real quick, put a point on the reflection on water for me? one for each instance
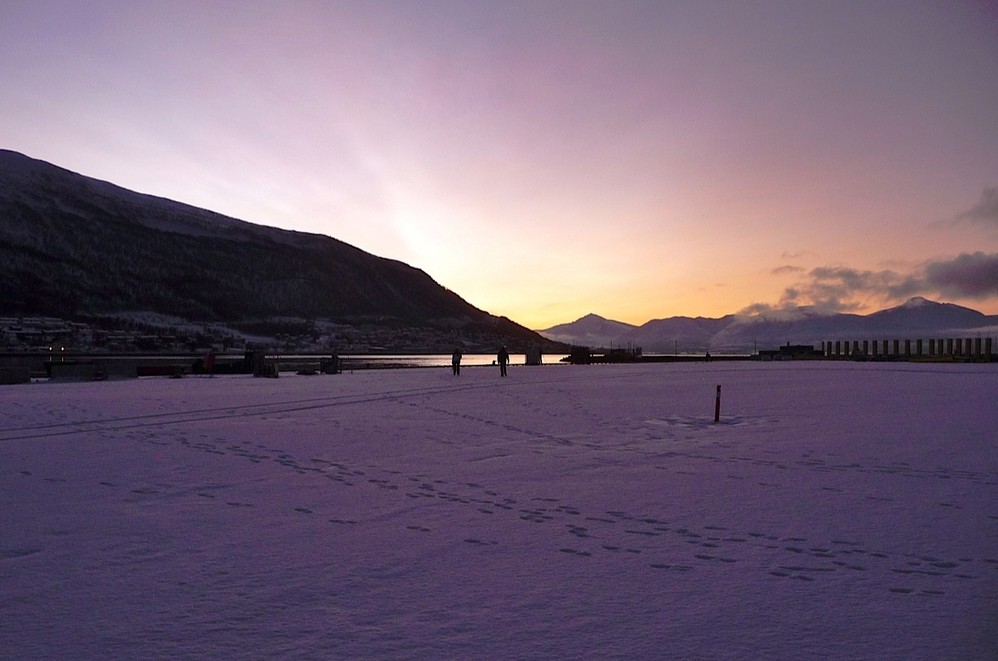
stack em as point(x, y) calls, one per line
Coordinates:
point(348, 362)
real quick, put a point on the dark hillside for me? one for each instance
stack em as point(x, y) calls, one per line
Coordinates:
point(72, 246)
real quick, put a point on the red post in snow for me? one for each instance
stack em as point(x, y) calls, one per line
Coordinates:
point(717, 405)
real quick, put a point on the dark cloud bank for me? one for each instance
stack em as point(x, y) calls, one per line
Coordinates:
point(971, 276)
point(985, 211)
point(968, 276)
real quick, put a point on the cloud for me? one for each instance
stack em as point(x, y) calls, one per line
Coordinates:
point(830, 289)
point(840, 289)
point(970, 275)
point(985, 212)
point(780, 270)
point(757, 308)
point(797, 255)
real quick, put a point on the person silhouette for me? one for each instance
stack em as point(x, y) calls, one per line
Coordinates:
point(503, 358)
point(455, 361)
point(209, 362)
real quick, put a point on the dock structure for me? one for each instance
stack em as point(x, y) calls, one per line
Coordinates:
point(975, 349)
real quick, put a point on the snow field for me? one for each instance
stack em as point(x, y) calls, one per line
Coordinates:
point(835, 511)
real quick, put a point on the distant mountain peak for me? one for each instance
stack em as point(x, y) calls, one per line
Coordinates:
point(592, 316)
point(917, 302)
point(591, 329)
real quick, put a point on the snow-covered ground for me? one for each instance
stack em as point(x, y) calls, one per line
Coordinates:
point(835, 511)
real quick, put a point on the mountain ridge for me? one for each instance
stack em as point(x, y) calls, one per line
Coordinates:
point(917, 316)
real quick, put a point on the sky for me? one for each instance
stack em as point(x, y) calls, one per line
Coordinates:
point(545, 160)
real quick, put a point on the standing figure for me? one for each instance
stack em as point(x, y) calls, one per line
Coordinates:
point(503, 358)
point(455, 361)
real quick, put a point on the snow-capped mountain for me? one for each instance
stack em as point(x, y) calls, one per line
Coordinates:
point(591, 330)
point(916, 318)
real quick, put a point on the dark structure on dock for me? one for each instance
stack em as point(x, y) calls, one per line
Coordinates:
point(791, 352)
point(587, 356)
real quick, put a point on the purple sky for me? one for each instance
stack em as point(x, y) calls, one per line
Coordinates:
point(549, 159)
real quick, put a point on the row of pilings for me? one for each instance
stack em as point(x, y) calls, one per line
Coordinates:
point(969, 349)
